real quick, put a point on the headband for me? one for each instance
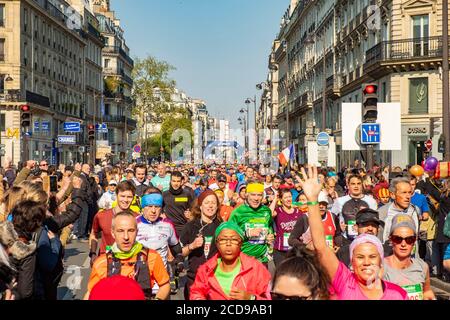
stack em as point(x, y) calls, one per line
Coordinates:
point(153, 199)
point(367, 238)
point(255, 188)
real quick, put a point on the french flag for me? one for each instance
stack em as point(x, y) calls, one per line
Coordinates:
point(286, 155)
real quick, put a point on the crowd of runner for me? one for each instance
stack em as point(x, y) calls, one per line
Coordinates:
point(235, 232)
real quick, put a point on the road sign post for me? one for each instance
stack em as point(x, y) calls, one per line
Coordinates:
point(429, 145)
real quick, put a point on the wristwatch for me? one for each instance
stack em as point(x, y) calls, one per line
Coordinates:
point(252, 297)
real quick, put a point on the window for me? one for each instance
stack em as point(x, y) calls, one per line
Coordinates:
point(2, 15)
point(2, 83)
point(420, 33)
point(2, 49)
point(107, 61)
point(418, 96)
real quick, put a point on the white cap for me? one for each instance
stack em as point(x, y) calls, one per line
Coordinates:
point(112, 182)
point(323, 197)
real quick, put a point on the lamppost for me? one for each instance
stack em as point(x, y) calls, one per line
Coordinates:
point(247, 102)
point(243, 121)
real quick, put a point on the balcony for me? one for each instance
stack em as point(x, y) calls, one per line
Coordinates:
point(11, 96)
point(120, 51)
point(425, 51)
point(54, 11)
point(119, 120)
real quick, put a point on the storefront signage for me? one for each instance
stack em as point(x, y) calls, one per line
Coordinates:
point(418, 130)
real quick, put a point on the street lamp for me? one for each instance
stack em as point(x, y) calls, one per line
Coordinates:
point(244, 120)
point(247, 102)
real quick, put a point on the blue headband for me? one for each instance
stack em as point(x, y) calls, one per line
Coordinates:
point(153, 199)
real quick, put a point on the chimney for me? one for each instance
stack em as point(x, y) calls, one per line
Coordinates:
point(292, 7)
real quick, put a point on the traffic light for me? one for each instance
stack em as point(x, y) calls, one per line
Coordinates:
point(91, 131)
point(370, 101)
point(25, 117)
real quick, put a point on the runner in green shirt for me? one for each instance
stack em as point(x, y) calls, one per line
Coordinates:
point(256, 222)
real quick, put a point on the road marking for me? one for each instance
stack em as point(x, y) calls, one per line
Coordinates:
point(71, 293)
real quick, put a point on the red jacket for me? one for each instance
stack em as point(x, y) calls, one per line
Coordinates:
point(253, 278)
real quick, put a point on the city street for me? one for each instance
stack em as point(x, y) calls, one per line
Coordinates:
point(231, 136)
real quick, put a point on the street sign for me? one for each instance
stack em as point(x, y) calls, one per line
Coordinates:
point(429, 144)
point(137, 149)
point(67, 139)
point(72, 127)
point(101, 128)
point(36, 126)
point(370, 133)
point(45, 126)
point(323, 139)
point(322, 153)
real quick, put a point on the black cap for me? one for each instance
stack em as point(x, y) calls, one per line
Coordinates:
point(368, 215)
point(221, 177)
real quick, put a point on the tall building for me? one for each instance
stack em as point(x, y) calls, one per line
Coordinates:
point(42, 64)
point(117, 68)
point(327, 49)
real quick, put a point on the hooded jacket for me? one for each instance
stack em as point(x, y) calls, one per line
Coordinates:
point(253, 278)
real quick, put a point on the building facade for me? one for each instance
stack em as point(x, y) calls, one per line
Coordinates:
point(330, 48)
point(116, 105)
point(43, 61)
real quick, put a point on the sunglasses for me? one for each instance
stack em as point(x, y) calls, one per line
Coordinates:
point(279, 296)
point(43, 165)
point(398, 240)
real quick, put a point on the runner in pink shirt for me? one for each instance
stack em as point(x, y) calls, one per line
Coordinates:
point(366, 255)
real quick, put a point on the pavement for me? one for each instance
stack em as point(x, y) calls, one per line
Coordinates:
point(73, 285)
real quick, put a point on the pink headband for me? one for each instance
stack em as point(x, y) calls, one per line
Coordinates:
point(367, 238)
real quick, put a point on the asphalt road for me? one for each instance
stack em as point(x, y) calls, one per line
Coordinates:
point(73, 285)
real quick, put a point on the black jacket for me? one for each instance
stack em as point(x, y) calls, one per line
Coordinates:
point(427, 188)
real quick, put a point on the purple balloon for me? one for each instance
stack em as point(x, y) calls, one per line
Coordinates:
point(431, 163)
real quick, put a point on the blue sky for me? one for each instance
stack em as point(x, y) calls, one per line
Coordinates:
point(219, 47)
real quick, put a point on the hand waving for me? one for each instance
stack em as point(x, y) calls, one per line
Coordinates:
point(311, 185)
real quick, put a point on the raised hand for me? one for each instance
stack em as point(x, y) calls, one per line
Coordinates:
point(311, 185)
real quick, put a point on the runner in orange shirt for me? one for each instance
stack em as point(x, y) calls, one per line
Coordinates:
point(130, 259)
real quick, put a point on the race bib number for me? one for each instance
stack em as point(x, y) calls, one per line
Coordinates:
point(286, 245)
point(181, 199)
point(207, 247)
point(256, 233)
point(329, 241)
point(415, 291)
point(351, 228)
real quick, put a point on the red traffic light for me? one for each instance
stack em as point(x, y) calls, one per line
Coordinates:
point(370, 89)
point(90, 127)
point(25, 108)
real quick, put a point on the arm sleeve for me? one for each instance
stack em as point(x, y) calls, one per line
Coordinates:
point(22, 176)
point(56, 223)
point(200, 286)
point(297, 232)
point(157, 269)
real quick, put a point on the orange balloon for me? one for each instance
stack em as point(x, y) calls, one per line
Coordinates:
point(416, 170)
